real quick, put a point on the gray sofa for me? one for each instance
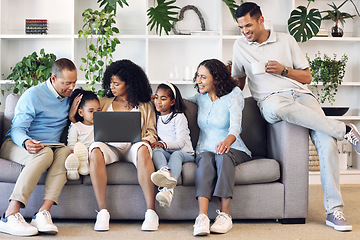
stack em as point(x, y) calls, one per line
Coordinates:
point(272, 186)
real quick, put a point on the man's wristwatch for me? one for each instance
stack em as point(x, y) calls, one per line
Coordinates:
point(284, 72)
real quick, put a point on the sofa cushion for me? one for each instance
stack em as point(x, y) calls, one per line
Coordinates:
point(262, 170)
point(118, 173)
point(255, 171)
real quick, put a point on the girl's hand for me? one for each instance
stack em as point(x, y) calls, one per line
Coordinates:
point(74, 108)
point(157, 145)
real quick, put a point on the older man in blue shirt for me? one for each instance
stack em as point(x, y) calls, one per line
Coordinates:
point(41, 114)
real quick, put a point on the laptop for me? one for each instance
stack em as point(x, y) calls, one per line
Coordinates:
point(117, 126)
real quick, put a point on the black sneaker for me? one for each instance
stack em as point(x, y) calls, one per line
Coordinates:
point(353, 136)
point(338, 221)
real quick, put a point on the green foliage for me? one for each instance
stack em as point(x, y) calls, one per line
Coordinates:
point(303, 25)
point(110, 5)
point(31, 70)
point(231, 4)
point(99, 47)
point(328, 73)
point(161, 16)
point(336, 15)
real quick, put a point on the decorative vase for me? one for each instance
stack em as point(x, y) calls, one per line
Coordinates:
point(336, 31)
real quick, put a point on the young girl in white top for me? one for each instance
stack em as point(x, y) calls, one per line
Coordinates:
point(81, 134)
point(174, 147)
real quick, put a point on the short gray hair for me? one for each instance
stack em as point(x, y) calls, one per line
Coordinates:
point(60, 65)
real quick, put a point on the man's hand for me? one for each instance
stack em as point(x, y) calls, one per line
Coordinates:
point(301, 75)
point(274, 67)
point(33, 146)
point(74, 107)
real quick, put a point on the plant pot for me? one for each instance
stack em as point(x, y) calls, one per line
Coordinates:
point(335, 111)
point(336, 31)
point(95, 29)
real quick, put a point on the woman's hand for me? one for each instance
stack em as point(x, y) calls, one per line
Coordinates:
point(74, 108)
point(157, 145)
point(224, 147)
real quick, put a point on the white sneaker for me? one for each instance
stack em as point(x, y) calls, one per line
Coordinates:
point(16, 225)
point(163, 178)
point(202, 225)
point(151, 222)
point(222, 224)
point(72, 164)
point(43, 222)
point(102, 220)
point(81, 151)
point(164, 197)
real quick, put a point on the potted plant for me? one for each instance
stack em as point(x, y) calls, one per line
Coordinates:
point(98, 31)
point(328, 73)
point(31, 70)
point(304, 24)
point(337, 16)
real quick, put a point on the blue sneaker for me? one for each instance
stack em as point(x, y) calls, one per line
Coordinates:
point(353, 136)
point(338, 221)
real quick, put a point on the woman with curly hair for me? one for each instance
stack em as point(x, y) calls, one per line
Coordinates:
point(219, 148)
point(127, 88)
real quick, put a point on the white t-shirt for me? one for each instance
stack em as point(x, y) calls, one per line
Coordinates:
point(79, 132)
point(280, 47)
point(175, 133)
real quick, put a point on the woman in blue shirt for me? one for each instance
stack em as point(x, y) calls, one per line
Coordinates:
point(219, 148)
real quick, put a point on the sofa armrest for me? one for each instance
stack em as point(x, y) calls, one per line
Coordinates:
point(289, 145)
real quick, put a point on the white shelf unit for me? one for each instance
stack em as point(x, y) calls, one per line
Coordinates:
point(165, 57)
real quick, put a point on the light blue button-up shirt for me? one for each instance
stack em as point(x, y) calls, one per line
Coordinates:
point(218, 119)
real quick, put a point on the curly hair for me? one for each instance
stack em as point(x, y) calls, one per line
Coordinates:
point(223, 82)
point(138, 86)
point(87, 96)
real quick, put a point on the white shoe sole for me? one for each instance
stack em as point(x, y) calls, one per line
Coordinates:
point(48, 229)
point(219, 230)
point(101, 229)
point(201, 233)
point(72, 164)
point(162, 181)
point(338, 228)
point(163, 201)
point(4, 229)
point(81, 151)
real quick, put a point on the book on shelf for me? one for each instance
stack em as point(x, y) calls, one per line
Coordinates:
point(36, 26)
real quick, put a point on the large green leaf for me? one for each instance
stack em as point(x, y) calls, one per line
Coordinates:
point(110, 5)
point(161, 16)
point(304, 25)
point(231, 4)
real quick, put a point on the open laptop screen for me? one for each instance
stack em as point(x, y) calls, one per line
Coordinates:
point(117, 126)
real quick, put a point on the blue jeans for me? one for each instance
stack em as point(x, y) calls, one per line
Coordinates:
point(173, 161)
point(304, 110)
